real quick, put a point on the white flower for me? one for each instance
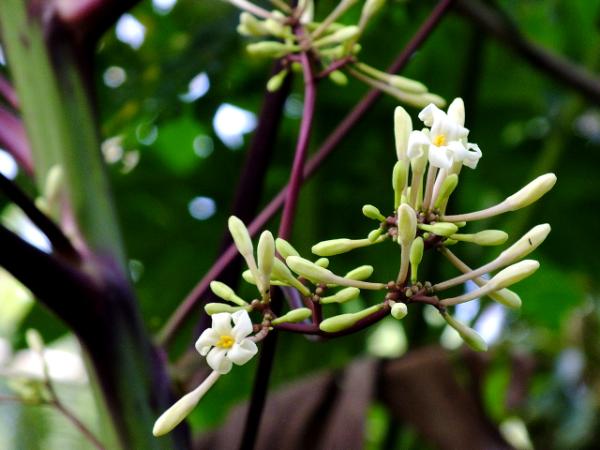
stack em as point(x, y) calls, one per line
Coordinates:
point(446, 141)
point(223, 344)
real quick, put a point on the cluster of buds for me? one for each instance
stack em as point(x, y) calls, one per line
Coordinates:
point(423, 179)
point(286, 32)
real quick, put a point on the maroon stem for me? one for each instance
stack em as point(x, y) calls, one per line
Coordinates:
point(190, 302)
point(14, 139)
point(8, 93)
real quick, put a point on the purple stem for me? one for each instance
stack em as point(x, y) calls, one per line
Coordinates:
point(9, 94)
point(14, 139)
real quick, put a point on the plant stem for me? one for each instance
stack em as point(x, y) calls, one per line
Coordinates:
point(14, 140)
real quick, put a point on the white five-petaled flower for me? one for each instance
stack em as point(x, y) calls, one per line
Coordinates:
point(445, 142)
point(223, 344)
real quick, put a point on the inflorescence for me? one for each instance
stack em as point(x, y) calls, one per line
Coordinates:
point(423, 179)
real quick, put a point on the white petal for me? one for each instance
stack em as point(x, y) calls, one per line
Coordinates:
point(473, 155)
point(221, 323)
point(418, 143)
point(207, 339)
point(428, 113)
point(456, 111)
point(242, 353)
point(443, 125)
point(218, 361)
point(243, 325)
point(440, 157)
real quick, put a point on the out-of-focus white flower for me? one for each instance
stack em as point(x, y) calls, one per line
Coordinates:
point(223, 344)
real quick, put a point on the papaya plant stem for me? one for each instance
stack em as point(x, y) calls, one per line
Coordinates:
point(188, 305)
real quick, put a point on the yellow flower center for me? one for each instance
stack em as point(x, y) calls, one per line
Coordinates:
point(439, 140)
point(225, 342)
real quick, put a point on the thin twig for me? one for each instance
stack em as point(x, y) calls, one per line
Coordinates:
point(83, 429)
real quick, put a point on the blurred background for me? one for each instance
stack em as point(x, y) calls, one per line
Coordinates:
point(179, 99)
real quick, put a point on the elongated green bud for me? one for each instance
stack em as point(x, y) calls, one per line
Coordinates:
point(345, 321)
point(323, 262)
point(446, 190)
point(407, 224)
point(270, 49)
point(338, 246)
point(531, 193)
point(285, 249)
point(249, 278)
point(528, 243)
point(506, 297)
point(406, 84)
point(341, 296)
point(309, 270)
point(296, 315)
point(54, 184)
point(416, 255)
point(513, 274)
point(469, 335)
point(399, 179)
point(337, 37)
point(35, 341)
point(486, 237)
point(338, 77)
point(374, 235)
point(251, 26)
point(215, 308)
point(281, 272)
point(372, 212)
point(360, 273)
point(402, 129)
point(226, 293)
point(240, 236)
point(265, 253)
point(445, 229)
point(371, 8)
point(399, 311)
point(276, 80)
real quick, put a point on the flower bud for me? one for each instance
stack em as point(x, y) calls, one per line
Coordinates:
point(337, 37)
point(341, 296)
point(338, 77)
point(54, 184)
point(406, 84)
point(183, 407)
point(445, 229)
point(470, 336)
point(337, 246)
point(513, 274)
point(345, 321)
point(372, 212)
point(528, 243)
point(251, 26)
point(486, 237)
point(322, 262)
point(240, 236)
point(370, 8)
point(399, 179)
point(216, 308)
point(276, 80)
point(34, 340)
point(416, 255)
point(285, 249)
point(270, 49)
point(281, 272)
point(374, 235)
point(399, 311)
point(446, 190)
point(360, 273)
point(309, 269)
point(402, 129)
point(265, 253)
point(507, 298)
point(296, 315)
point(407, 224)
point(531, 193)
point(226, 293)
point(456, 111)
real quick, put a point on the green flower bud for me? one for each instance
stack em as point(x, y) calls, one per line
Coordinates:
point(406, 84)
point(285, 249)
point(34, 340)
point(528, 243)
point(249, 278)
point(513, 274)
point(399, 179)
point(360, 273)
point(296, 315)
point(266, 254)
point(215, 308)
point(486, 237)
point(440, 228)
point(446, 190)
point(416, 255)
point(338, 77)
point(372, 212)
point(54, 184)
point(470, 336)
point(402, 129)
point(323, 262)
point(240, 236)
point(270, 49)
point(337, 37)
point(345, 321)
point(341, 296)
point(309, 269)
point(370, 8)
point(407, 224)
point(251, 26)
point(281, 272)
point(531, 193)
point(337, 246)
point(399, 311)
point(226, 293)
point(449, 241)
point(507, 298)
point(374, 235)
point(276, 80)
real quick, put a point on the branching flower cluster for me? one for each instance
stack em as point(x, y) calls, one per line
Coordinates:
point(287, 32)
point(429, 163)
